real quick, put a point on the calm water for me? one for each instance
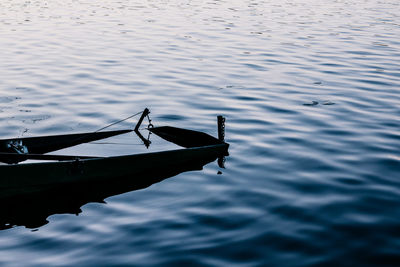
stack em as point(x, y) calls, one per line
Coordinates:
point(310, 90)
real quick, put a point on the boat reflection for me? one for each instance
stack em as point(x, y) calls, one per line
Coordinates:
point(33, 210)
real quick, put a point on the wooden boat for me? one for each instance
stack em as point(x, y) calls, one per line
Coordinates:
point(60, 170)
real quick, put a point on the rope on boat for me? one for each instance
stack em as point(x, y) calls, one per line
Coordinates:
point(111, 124)
point(144, 113)
point(112, 143)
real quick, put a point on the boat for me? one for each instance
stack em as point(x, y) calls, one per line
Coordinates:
point(49, 171)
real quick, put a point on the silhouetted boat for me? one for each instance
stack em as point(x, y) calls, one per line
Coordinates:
point(62, 170)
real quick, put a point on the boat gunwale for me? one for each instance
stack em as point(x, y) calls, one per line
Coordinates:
point(222, 145)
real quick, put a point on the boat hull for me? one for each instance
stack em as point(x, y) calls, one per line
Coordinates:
point(21, 179)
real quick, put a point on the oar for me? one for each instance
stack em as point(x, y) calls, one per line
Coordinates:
point(10, 157)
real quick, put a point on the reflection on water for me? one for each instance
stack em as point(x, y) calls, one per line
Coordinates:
point(310, 90)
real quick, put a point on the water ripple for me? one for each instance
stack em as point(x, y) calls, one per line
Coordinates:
point(310, 92)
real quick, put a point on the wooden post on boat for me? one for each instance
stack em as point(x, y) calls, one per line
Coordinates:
point(221, 128)
point(146, 112)
point(221, 138)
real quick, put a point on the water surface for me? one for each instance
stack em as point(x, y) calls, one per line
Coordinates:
point(310, 90)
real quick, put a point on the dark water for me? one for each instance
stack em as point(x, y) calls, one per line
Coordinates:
point(310, 90)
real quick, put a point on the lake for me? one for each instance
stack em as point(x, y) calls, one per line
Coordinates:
point(311, 95)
